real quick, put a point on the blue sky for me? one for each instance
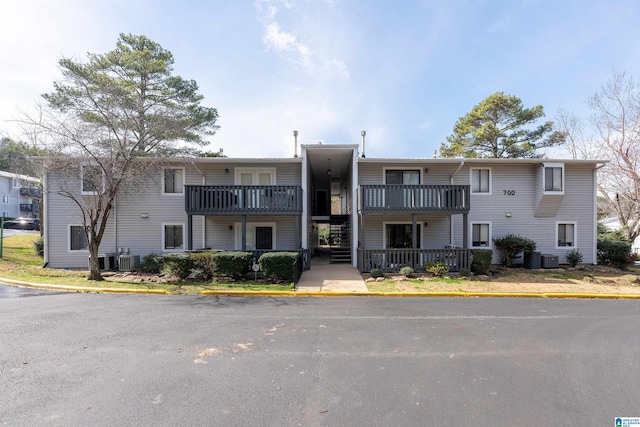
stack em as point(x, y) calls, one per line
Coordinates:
point(402, 70)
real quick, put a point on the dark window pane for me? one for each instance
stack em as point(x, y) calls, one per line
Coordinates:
point(264, 238)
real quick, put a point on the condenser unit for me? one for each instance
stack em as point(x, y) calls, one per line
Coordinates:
point(128, 262)
point(106, 261)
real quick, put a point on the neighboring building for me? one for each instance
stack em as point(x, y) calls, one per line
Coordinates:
point(19, 196)
point(382, 212)
point(613, 224)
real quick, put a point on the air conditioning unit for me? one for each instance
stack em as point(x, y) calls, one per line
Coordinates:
point(128, 262)
point(106, 261)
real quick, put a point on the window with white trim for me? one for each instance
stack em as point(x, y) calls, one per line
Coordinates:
point(173, 237)
point(260, 236)
point(173, 182)
point(553, 177)
point(5, 199)
point(480, 181)
point(15, 182)
point(5, 214)
point(566, 235)
point(480, 235)
point(402, 176)
point(78, 238)
point(92, 179)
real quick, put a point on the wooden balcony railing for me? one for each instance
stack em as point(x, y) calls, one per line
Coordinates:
point(243, 199)
point(414, 198)
point(389, 260)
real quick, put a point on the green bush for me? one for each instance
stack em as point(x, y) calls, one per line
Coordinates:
point(406, 271)
point(438, 269)
point(38, 247)
point(481, 261)
point(179, 265)
point(376, 272)
point(511, 245)
point(150, 263)
point(278, 266)
point(615, 253)
point(574, 257)
point(202, 265)
point(231, 264)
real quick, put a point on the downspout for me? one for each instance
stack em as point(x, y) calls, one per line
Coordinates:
point(204, 217)
point(45, 224)
point(451, 215)
point(595, 213)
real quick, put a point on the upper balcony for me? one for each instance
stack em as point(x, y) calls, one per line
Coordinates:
point(31, 192)
point(243, 199)
point(397, 198)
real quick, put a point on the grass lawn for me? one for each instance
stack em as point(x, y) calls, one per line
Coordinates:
point(20, 262)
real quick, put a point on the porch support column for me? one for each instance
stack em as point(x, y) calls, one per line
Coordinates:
point(244, 232)
point(190, 232)
point(298, 232)
point(363, 241)
point(414, 232)
point(465, 231)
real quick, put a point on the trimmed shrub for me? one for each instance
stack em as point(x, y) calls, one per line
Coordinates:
point(150, 263)
point(511, 245)
point(231, 264)
point(202, 264)
point(574, 257)
point(177, 264)
point(438, 269)
point(278, 266)
point(38, 247)
point(406, 271)
point(481, 261)
point(376, 272)
point(614, 253)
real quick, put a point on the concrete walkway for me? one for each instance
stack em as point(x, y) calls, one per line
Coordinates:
point(327, 277)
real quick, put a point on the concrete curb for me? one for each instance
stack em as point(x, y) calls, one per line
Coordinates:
point(83, 288)
point(420, 294)
point(324, 294)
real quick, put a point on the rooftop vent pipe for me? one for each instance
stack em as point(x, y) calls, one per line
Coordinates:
point(295, 143)
point(363, 133)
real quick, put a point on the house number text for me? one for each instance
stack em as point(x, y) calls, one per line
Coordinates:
point(509, 192)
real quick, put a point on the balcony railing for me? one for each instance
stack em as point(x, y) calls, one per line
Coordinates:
point(28, 207)
point(389, 260)
point(243, 199)
point(31, 192)
point(414, 198)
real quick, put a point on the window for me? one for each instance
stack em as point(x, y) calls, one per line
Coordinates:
point(553, 177)
point(480, 233)
point(260, 236)
point(566, 235)
point(481, 181)
point(255, 176)
point(173, 181)
point(15, 183)
point(5, 199)
point(399, 236)
point(78, 238)
point(5, 214)
point(92, 179)
point(173, 237)
point(406, 177)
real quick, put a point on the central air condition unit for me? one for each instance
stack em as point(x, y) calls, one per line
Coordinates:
point(128, 262)
point(106, 261)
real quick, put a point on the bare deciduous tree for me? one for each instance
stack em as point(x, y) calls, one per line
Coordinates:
point(616, 121)
point(111, 122)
